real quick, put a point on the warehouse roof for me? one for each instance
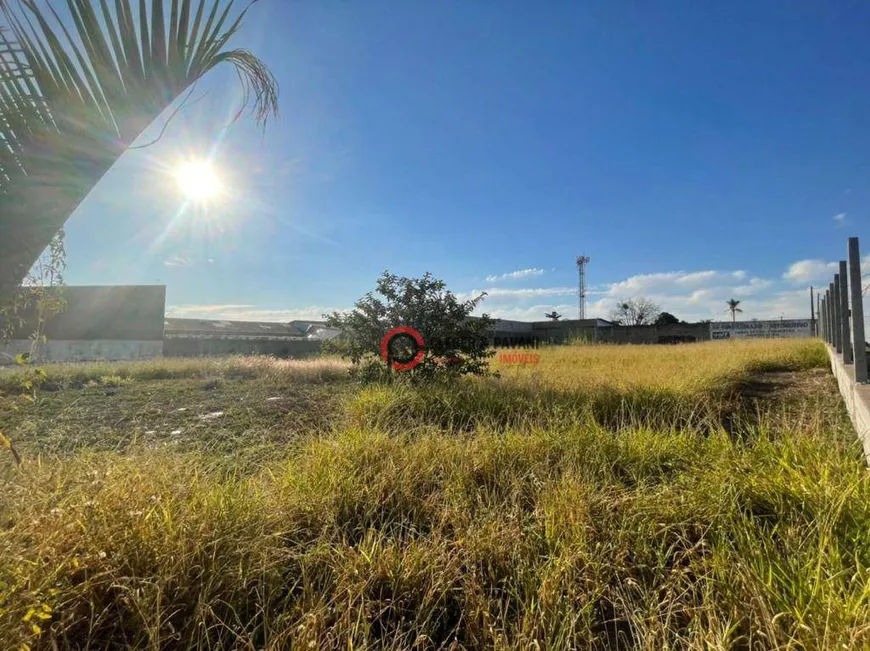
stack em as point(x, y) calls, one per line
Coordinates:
point(208, 328)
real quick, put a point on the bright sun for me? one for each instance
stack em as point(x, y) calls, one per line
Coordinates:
point(198, 181)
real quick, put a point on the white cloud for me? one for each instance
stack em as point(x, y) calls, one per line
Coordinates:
point(787, 304)
point(679, 281)
point(807, 271)
point(514, 275)
point(531, 313)
point(840, 218)
point(499, 293)
point(190, 310)
point(754, 286)
point(710, 304)
point(250, 312)
point(691, 296)
point(176, 261)
point(700, 296)
point(696, 278)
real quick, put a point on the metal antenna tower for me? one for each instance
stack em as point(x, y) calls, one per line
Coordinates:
point(582, 261)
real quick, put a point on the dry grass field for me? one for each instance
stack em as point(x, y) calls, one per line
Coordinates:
point(678, 368)
point(684, 497)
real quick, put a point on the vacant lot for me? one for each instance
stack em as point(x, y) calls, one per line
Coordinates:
point(697, 496)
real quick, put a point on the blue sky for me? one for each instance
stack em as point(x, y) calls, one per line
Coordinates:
point(694, 150)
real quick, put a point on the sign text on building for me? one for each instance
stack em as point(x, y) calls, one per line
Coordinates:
point(775, 328)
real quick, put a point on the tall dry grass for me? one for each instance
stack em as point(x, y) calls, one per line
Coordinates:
point(680, 368)
point(506, 533)
point(75, 375)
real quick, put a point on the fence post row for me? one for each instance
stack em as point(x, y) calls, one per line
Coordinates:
point(831, 310)
point(846, 335)
point(827, 321)
point(841, 313)
point(838, 316)
point(860, 347)
point(823, 329)
point(827, 317)
point(824, 318)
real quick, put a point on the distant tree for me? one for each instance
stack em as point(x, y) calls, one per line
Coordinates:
point(732, 307)
point(666, 318)
point(706, 321)
point(453, 341)
point(553, 316)
point(635, 311)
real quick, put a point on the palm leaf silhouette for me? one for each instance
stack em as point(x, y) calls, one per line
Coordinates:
point(75, 92)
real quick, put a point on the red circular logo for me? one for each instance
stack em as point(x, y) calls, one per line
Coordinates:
point(403, 363)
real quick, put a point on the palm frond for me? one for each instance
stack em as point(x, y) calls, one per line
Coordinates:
point(75, 94)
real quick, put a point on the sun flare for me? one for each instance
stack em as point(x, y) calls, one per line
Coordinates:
point(198, 181)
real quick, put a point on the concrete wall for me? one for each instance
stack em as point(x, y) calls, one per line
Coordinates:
point(765, 329)
point(188, 347)
point(81, 351)
point(111, 313)
point(98, 322)
point(519, 333)
point(653, 334)
point(558, 332)
point(519, 328)
point(855, 396)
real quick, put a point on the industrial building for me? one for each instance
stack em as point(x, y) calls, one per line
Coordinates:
point(97, 322)
point(196, 337)
point(128, 322)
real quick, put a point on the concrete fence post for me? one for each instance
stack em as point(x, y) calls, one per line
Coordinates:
point(860, 348)
point(823, 323)
point(838, 327)
point(827, 300)
point(832, 314)
point(846, 334)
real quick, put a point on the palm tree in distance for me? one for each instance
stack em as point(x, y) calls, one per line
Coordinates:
point(732, 307)
point(76, 91)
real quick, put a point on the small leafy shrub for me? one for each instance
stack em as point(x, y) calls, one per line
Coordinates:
point(454, 342)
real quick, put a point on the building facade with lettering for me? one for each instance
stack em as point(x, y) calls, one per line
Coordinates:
point(775, 328)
